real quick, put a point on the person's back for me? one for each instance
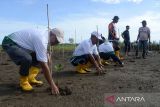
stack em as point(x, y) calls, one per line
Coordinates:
point(111, 31)
point(28, 37)
point(106, 51)
point(106, 47)
point(85, 47)
point(28, 49)
point(33, 40)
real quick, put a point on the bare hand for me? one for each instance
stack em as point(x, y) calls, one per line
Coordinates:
point(54, 90)
point(101, 65)
point(100, 70)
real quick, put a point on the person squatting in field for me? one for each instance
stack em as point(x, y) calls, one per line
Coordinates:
point(28, 49)
point(106, 51)
point(86, 54)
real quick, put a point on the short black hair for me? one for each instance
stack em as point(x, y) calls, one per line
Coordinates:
point(144, 21)
point(115, 18)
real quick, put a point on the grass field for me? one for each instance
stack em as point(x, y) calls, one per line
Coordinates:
point(70, 47)
point(65, 47)
point(0, 48)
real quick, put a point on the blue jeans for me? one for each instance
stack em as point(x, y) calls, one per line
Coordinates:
point(142, 44)
point(19, 56)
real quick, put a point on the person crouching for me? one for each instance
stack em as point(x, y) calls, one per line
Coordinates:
point(106, 51)
point(86, 54)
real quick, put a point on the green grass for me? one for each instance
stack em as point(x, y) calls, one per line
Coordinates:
point(0, 48)
point(65, 47)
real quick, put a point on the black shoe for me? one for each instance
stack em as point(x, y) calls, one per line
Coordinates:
point(144, 57)
point(122, 65)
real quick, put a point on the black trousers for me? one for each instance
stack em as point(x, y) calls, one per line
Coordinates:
point(83, 59)
point(109, 55)
point(127, 46)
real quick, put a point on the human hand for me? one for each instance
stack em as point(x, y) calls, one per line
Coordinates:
point(54, 90)
point(100, 70)
point(101, 65)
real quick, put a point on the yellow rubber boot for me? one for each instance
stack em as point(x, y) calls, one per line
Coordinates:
point(79, 69)
point(117, 53)
point(33, 72)
point(104, 62)
point(24, 84)
point(87, 66)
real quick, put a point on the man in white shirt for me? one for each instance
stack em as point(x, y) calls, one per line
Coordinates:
point(28, 48)
point(106, 52)
point(143, 37)
point(86, 53)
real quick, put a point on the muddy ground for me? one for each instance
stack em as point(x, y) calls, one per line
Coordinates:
point(137, 76)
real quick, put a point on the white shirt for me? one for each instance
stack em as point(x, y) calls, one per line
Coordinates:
point(34, 40)
point(85, 47)
point(143, 33)
point(106, 47)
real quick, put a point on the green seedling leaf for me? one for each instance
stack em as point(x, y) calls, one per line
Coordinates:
point(58, 67)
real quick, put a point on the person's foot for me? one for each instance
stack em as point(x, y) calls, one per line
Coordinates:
point(138, 57)
point(87, 70)
point(81, 71)
point(122, 65)
point(144, 57)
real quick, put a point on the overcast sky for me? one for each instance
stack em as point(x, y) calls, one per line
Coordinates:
point(80, 15)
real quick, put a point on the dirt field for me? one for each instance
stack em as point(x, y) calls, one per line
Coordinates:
point(137, 76)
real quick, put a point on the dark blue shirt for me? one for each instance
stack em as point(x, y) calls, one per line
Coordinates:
point(126, 35)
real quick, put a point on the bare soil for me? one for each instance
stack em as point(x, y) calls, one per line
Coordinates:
point(87, 90)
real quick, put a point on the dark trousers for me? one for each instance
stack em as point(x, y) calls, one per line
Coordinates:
point(109, 55)
point(127, 46)
point(142, 44)
point(116, 45)
point(20, 56)
point(83, 59)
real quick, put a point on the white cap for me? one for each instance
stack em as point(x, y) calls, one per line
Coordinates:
point(59, 34)
point(98, 35)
